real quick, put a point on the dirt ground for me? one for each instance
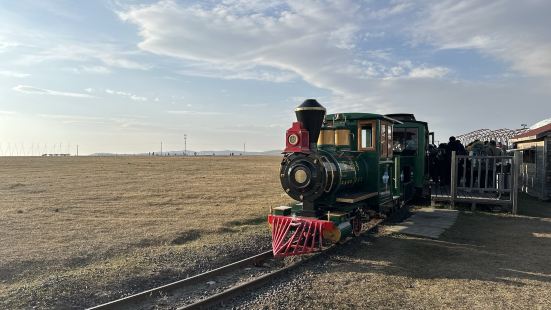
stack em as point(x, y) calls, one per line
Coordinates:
point(83, 230)
point(530, 206)
point(484, 261)
point(76, 232)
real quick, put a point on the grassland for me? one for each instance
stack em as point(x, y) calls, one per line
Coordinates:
point(80, 231)
point(77, 231)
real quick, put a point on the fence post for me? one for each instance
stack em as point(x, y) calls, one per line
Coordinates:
point(514, 188)
point(453, 180)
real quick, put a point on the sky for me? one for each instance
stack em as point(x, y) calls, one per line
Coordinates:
point(124, 76)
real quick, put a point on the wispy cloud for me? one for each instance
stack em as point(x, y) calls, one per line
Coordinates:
point(258, 105)
point(92, 69)
point(318, 41)
point(7, 112)
point(14, 74)
point(516, 32)
point(237, 72)
point(42, 91)
point(199, 113)
point(424, 72)
point(69, 119)
point(4, 44)
point(126, 94)
point(121, 122)
point(106, 54)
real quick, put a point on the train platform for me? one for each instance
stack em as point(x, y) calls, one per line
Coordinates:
point(426, 223)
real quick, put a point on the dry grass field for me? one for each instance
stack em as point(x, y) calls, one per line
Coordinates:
point(76, 232)
point(81, 230)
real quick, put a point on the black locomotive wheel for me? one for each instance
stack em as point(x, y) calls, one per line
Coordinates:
point(356, 226)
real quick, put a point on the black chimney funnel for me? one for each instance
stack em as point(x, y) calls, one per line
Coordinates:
point(310, 113)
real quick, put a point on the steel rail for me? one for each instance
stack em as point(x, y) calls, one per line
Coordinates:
point(239, 289)
point(227, 294)
point(157, 291)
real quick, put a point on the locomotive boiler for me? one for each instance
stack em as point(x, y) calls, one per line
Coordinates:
point(341, 169)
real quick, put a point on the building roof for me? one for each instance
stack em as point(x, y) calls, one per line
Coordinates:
point(533, 133)
point(541, 123)
point(503, 135)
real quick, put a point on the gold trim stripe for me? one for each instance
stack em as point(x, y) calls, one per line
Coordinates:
point(326, 137)
point(342, 137)
point(310, 109)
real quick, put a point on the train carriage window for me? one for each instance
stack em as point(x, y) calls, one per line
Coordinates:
point(389, 143)
point(384, 149)
point(397, 145)
point(406, 140)
point(386, 140)
point(366, 135)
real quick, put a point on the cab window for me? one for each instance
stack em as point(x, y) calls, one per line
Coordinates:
point(389, 144)
point(384, 150)
point(386, 140)
point(365, 135)
point(405, 140)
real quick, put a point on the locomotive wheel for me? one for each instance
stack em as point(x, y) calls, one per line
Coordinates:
point(356, 226)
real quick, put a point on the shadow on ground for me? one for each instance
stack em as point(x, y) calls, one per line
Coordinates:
point(478, 247)
point(530, 206)
point(484, 261)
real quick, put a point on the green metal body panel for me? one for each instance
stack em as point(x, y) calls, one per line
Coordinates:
point(378, 172)
point(396, 177)
point(367, 171)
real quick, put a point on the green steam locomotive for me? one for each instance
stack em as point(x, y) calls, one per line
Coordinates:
point(343, 169)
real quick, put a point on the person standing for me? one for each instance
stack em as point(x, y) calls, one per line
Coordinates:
point(454, 145)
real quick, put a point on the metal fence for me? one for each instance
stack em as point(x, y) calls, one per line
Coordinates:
point(482, 180)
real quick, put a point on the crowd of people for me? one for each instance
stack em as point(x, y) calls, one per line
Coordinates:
point(441, 157)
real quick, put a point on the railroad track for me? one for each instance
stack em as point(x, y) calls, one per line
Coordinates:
point(213, 287)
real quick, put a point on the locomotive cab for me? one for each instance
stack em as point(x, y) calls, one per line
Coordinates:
point(411, 143)
point(368, 137)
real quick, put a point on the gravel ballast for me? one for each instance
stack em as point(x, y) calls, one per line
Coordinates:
point(484, 261)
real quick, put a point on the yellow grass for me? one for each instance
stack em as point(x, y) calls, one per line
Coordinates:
point(75, 232)
point(110, 218)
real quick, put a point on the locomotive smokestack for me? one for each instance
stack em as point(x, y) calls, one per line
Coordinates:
point(310, 113)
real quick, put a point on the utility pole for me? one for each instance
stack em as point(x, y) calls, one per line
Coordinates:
point(161, 148)
point(185, 144)
point(244, 147)
point(77, 149)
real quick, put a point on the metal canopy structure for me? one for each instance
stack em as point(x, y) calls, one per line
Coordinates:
point(502, 135)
